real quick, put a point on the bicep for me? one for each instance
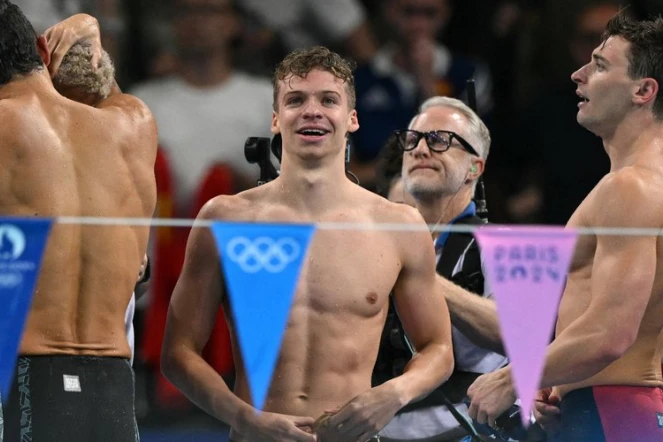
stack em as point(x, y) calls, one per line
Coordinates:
point(622, 278)
point(198, 293)
point(418, 297)
point(624, 266)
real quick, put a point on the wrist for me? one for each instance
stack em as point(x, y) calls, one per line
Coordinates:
point(242, 419)
point(398, 391)
point(505, 378)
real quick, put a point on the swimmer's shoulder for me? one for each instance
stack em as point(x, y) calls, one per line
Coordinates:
point(633, 191)
point(386, 211)
point(19, 117)
point(239, 207)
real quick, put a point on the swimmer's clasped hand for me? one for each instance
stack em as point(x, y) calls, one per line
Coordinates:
point(62, 36)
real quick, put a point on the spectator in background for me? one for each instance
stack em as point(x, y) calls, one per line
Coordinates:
point(410, 68)
point(341, 24)
point(205, 112)
point(548, 135)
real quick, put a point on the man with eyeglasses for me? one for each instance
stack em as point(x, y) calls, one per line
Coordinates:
point(444, 153)
point(411, 67)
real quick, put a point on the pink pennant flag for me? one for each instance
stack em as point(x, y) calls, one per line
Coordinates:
point(526, 269)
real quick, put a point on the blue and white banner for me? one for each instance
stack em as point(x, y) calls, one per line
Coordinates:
point(22, 242)
point(261, 265)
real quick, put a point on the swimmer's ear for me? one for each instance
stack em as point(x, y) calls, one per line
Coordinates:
point(42, 48)
point(275, 123)
point(647, 91)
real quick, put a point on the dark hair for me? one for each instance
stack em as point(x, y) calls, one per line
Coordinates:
point(390, 163)
point(645, 55)
point(303, 61)
point(18, 43)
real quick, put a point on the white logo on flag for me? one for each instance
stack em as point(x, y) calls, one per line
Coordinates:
point(262, 253)
point(12, 242)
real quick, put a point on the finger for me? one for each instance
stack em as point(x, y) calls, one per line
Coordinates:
point(544, 394)
point(302, 421)
point(491, 418)
point(365, 436)
point(339, 418)
point(473, 410)
point(352, 431)
point(549, 410)
point(57, 55)
point(96, 58)
point(302, 436)
point(482, 418)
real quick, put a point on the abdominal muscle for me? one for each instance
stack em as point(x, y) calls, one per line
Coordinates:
point(326, 360)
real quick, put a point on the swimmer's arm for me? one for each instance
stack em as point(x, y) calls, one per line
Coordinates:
point(422, 309)
point(475, 316)
point(622, 279)
point(191, 317)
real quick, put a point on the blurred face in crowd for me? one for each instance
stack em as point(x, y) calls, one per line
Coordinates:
point(314, 114)
point(604, 87)
point(589, 27)
point(204, 26)
point(428, 174)
point(413, 20)
point(397, 193)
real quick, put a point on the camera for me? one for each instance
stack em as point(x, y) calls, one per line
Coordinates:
point(508, 426)
point(257, 151)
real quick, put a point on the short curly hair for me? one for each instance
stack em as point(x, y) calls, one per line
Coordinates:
point(76, 71)
point(302, 61)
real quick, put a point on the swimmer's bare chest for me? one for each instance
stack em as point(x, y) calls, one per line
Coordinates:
point(337, 317)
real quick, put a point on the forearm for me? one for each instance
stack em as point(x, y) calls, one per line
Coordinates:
point(204, 386)
point(475, 316)
point(576, 354)
point(427, 370)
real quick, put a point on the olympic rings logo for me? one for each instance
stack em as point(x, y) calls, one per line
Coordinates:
point(262, 253)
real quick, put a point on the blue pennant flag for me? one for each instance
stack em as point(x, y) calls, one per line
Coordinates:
point(261, 265)
point(22, 242)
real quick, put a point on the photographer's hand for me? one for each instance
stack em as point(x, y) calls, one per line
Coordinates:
point(492, 394)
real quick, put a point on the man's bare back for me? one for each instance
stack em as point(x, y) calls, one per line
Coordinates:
point(62, 158)
point(640, 365)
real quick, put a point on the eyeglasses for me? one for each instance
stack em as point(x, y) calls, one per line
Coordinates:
point(437, 140)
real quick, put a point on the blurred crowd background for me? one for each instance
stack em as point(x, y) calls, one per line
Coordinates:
point(204, 68)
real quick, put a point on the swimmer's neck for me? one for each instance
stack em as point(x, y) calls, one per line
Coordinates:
point(313, 190)
point(38, 80)
point(635, 141)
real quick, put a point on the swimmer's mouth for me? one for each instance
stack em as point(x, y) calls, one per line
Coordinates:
point(313, 132)
point(583, 99)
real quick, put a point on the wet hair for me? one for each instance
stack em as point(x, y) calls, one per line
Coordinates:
point(76, 71)
point(645, 54)
point(302, 61)
point(18, 44)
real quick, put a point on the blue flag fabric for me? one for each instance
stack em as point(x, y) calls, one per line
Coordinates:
point(22, 243)
point(261, 265)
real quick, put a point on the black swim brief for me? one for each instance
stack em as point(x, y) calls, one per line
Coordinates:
point(72, 399)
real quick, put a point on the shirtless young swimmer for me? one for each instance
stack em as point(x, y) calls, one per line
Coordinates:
point(74, 381)
point(338, 314)
point(603, 368)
